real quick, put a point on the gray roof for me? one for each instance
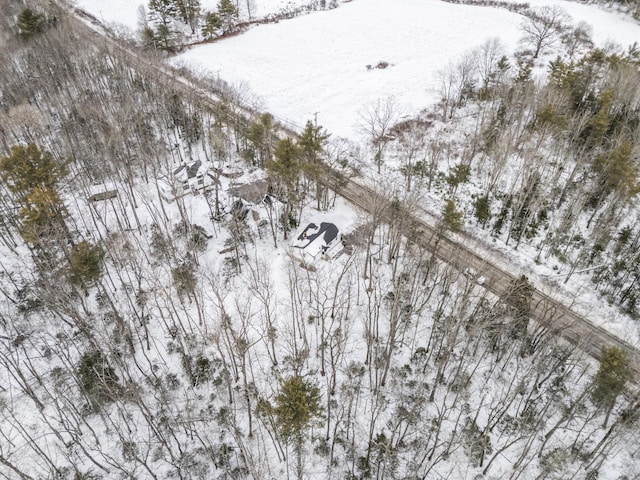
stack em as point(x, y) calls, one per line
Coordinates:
point(329, 230)
point(191, 169)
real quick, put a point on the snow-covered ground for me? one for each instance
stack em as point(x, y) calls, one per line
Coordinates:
point(123, 13)
point(317, 63)
point(337, 36)
point(608, 26)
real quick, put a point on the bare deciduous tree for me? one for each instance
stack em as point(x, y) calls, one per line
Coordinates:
point(375, 121)
point(456, 83)
point(487, 59)
point(543, 28)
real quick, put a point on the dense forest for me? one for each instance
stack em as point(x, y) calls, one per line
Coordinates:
point(151, 334)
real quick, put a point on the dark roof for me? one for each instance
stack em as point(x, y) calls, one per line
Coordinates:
point(329, 230)
point(192, 169)
point(106, 195)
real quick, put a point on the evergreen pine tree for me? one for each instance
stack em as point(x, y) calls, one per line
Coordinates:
point(212, 25)
point(42, 218)
point(32, 175)
point(260, 134)
point(189, 12)
point(459, 174)
point(162, 11)
point(312, 142)
point(149, 39)
point(452, 217)
point(611, 378)
point(85, 263)
point(617, 172)
point(228, 14)
point(286, 167)
point(482, 209)
point(27, 168)
point(297, 406)
point(164, 37)
point(30, 23)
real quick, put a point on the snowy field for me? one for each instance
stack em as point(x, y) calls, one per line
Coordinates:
point(317, 63)
point(119, 13)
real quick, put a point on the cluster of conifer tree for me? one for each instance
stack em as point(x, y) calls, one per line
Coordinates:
point(168, 17)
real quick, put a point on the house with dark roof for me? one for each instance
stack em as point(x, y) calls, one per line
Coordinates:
point(317, 241)
point(188, 178)
point(192, 176)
